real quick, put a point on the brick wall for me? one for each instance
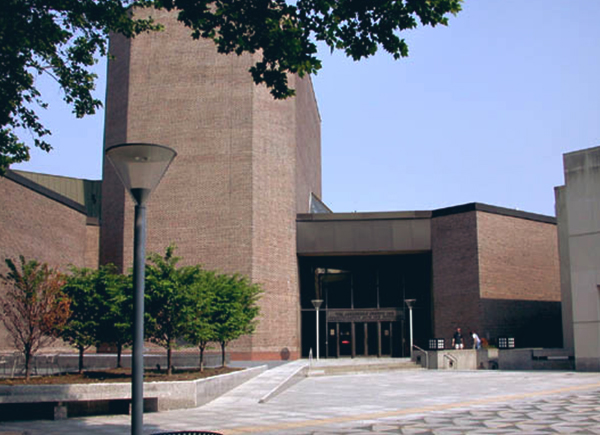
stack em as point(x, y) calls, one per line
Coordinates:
point(92, 244)
point(455, 274)
point(518, 258)
point(38, 228)
point(229, 199)
point(519, 280)
point(308, 151)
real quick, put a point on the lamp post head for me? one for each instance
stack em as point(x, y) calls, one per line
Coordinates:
point(317, 303)
point(410, 303)
point(140, 166)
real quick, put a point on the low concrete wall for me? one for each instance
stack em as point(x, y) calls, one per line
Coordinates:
point(493, 359)
point(536, 359)
point(170, 395)
point(46, 364)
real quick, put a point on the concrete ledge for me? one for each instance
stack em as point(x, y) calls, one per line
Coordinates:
point(168, 395)
point(494, 359)
point(292, 379)
point(536, 359)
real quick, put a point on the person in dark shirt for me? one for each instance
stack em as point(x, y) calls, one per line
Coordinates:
point(458, 342)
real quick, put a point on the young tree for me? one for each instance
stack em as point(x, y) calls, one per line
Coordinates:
point(200, 329)
point(235, 308)
point(34, 308)
point(115, 323)
point(168, 302)
point(61, 38)
point(87, 308)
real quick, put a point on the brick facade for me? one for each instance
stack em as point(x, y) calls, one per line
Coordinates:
point(496, 274)
point(229, 199)
point(455, 269)
point(43, 229)
point(519, 279)
point(518, 258)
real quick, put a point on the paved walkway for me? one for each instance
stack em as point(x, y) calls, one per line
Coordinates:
point(397, 402)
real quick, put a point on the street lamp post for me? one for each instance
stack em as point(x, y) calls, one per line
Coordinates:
point(317, 304)
point(410, 303)
point(140, 167)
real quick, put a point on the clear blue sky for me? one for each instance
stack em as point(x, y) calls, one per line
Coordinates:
point(482, 110)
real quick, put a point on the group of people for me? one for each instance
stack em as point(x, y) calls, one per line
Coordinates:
point(458, 340)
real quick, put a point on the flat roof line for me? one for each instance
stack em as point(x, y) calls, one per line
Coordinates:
point(420, 214)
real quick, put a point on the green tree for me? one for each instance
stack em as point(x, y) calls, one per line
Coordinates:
point(200, 329)
point(87, 308)
point(115, 322)
point(168, 302)
point(61, 37)
point(34, 307)
point(234, 308)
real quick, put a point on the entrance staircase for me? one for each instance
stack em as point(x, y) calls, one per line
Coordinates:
point(330, 367)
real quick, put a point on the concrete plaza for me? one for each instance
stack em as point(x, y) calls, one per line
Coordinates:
point(393, 402)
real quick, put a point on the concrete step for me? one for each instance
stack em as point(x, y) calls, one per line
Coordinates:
point(329, 369)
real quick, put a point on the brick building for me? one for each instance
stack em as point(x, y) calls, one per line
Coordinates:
point(241, 196)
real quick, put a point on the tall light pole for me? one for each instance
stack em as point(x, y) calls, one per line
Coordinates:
point(140, 167)
point(410, 303)
point(317, 304)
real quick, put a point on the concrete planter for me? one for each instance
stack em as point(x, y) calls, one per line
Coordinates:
point(158, 396)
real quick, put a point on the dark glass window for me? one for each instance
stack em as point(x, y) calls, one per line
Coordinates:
point(338, 292)
point(390, 287)
point(365, 289)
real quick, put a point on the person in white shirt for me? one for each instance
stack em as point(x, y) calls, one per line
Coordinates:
point(476, 340)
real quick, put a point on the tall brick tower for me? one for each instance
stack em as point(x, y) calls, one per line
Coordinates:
point(246, 165)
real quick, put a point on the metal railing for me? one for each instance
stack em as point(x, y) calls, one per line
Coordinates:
point(453, 360)
point(426, 355)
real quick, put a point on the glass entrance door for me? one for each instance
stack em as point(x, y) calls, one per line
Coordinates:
point(345, 339)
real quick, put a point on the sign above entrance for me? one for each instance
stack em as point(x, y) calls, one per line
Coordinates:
point(386, 315)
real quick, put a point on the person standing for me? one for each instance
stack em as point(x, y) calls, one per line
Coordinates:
point(458, 342)
point(476, 340)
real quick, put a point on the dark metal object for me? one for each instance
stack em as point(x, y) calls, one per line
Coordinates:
point(137, 366)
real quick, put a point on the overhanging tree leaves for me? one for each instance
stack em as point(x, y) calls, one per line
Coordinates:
point(60, 37)
point(34, 308)
point(286, 34)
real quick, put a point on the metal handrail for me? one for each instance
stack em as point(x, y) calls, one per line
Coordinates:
point(426, 354)
point(451, 358)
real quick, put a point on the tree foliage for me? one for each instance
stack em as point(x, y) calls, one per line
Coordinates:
point(168, 302)
point(101, 309)
point(234, 308)
point(86, 310)
point(200, 329)
point(34, 308)
point(115, 323)
point(196, 305)
point(286, 33)
point(61, 38)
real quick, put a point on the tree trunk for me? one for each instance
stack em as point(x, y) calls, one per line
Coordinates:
point(81, 351)
point(27, 363)
point(201, 347)
point(119, 352)
point(223, 344)
point(169, 366)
